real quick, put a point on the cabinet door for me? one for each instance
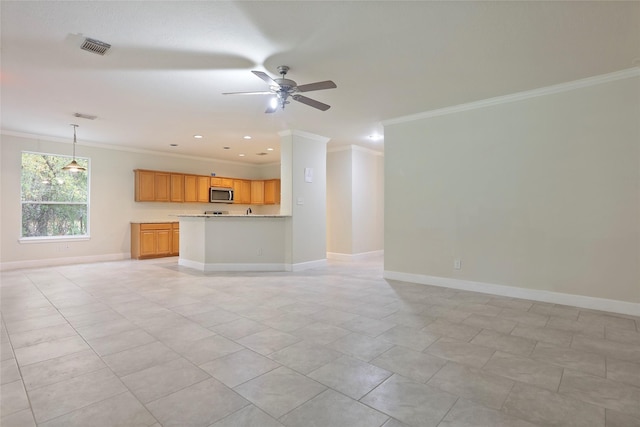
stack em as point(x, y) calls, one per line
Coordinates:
point(217, 181)
point(272, 192)
point(163, 242)
point(203, 188)
point(246, 191)
point(177, 187)
point(242, 191)
point(148, 242)
point(257, 192)
point(162, 187)
point(175, 239)
point(237, 191)
point(145, 186)
point(190, 188)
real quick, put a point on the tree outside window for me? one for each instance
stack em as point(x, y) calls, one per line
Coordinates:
point(55, 203)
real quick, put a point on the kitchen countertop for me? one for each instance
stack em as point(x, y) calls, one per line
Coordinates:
point(231, 215)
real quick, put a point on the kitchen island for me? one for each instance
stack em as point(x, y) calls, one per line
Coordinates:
point(235, 242)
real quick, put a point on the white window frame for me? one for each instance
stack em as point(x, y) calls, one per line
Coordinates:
point(45, 239)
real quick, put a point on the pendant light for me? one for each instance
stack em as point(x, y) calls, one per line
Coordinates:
point(74, 166)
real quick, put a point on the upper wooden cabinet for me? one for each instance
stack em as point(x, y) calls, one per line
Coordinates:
point(190, 188)
point(145, 186)
point(217, 181)
point(152, 186)
point(203, 189)
point(242, 191)
point(177, 187)
point(257, 192)
point(157, 186)
point(272, 192)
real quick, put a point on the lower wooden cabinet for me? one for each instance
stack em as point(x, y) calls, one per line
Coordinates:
point(154, 240)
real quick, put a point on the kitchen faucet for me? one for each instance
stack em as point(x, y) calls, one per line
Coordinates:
point(249, 211)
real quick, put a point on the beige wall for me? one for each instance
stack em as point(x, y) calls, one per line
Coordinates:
point(112, 206)
point(339, 202)
point(355, 201)
point(308, 200)
point(541, 193)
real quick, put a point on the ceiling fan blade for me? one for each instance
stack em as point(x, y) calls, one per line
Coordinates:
point(248, 93)
point(328, 84)
point(311, 102)
point(266, 78)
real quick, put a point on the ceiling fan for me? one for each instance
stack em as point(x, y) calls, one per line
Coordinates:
point(282, 89)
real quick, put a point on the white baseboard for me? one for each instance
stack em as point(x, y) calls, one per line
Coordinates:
point(301, 266)
point(604, 304)
point(52, 262)
point(354, 257)
point(231, 266)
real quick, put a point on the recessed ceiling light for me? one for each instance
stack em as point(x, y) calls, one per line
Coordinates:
point(375, 137)
point(247, 137)
point(241, 155)
point(173, 145)
point(269, 149)
point(197, 136)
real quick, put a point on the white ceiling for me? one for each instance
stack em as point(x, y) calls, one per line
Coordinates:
point(162, 80)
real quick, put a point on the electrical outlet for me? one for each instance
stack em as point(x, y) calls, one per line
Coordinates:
point(457, 264)
point(259, 251)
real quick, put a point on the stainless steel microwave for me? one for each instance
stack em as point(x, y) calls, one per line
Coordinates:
point(220, 195)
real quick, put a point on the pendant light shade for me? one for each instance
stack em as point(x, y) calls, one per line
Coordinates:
point(74, 166)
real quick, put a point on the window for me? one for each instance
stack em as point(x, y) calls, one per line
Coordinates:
point(55, 203)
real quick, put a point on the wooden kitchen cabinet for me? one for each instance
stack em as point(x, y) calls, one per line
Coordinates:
point(272, 192)
point(203, 189)
point(152, 186)
point(217, 181)
point(175, 238)
point(190, 188)
point(162, 187)
point(177, 187)
point(257, 192)
point(242, 191)
point(154, 240)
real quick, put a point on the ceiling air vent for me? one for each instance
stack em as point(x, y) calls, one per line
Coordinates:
point(95, 46)
point(261, 154)
point(85, 116)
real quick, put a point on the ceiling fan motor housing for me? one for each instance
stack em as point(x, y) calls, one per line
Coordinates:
point(286, 84)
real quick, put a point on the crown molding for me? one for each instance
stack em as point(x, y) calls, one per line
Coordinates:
point(518, 96)
point(304, 134)
point(356, 148)
point(128, 149)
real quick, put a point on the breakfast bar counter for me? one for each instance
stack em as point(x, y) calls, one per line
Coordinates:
point(235, 242)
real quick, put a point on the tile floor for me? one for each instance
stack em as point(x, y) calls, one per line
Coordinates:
point(147, 343)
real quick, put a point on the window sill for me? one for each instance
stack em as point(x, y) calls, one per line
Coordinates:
point(53, 239)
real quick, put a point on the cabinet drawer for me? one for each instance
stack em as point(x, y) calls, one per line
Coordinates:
point(157, 226)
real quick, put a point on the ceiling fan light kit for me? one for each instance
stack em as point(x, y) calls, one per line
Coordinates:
point(281, 89)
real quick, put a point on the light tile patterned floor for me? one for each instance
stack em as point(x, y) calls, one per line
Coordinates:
point(147, 343)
